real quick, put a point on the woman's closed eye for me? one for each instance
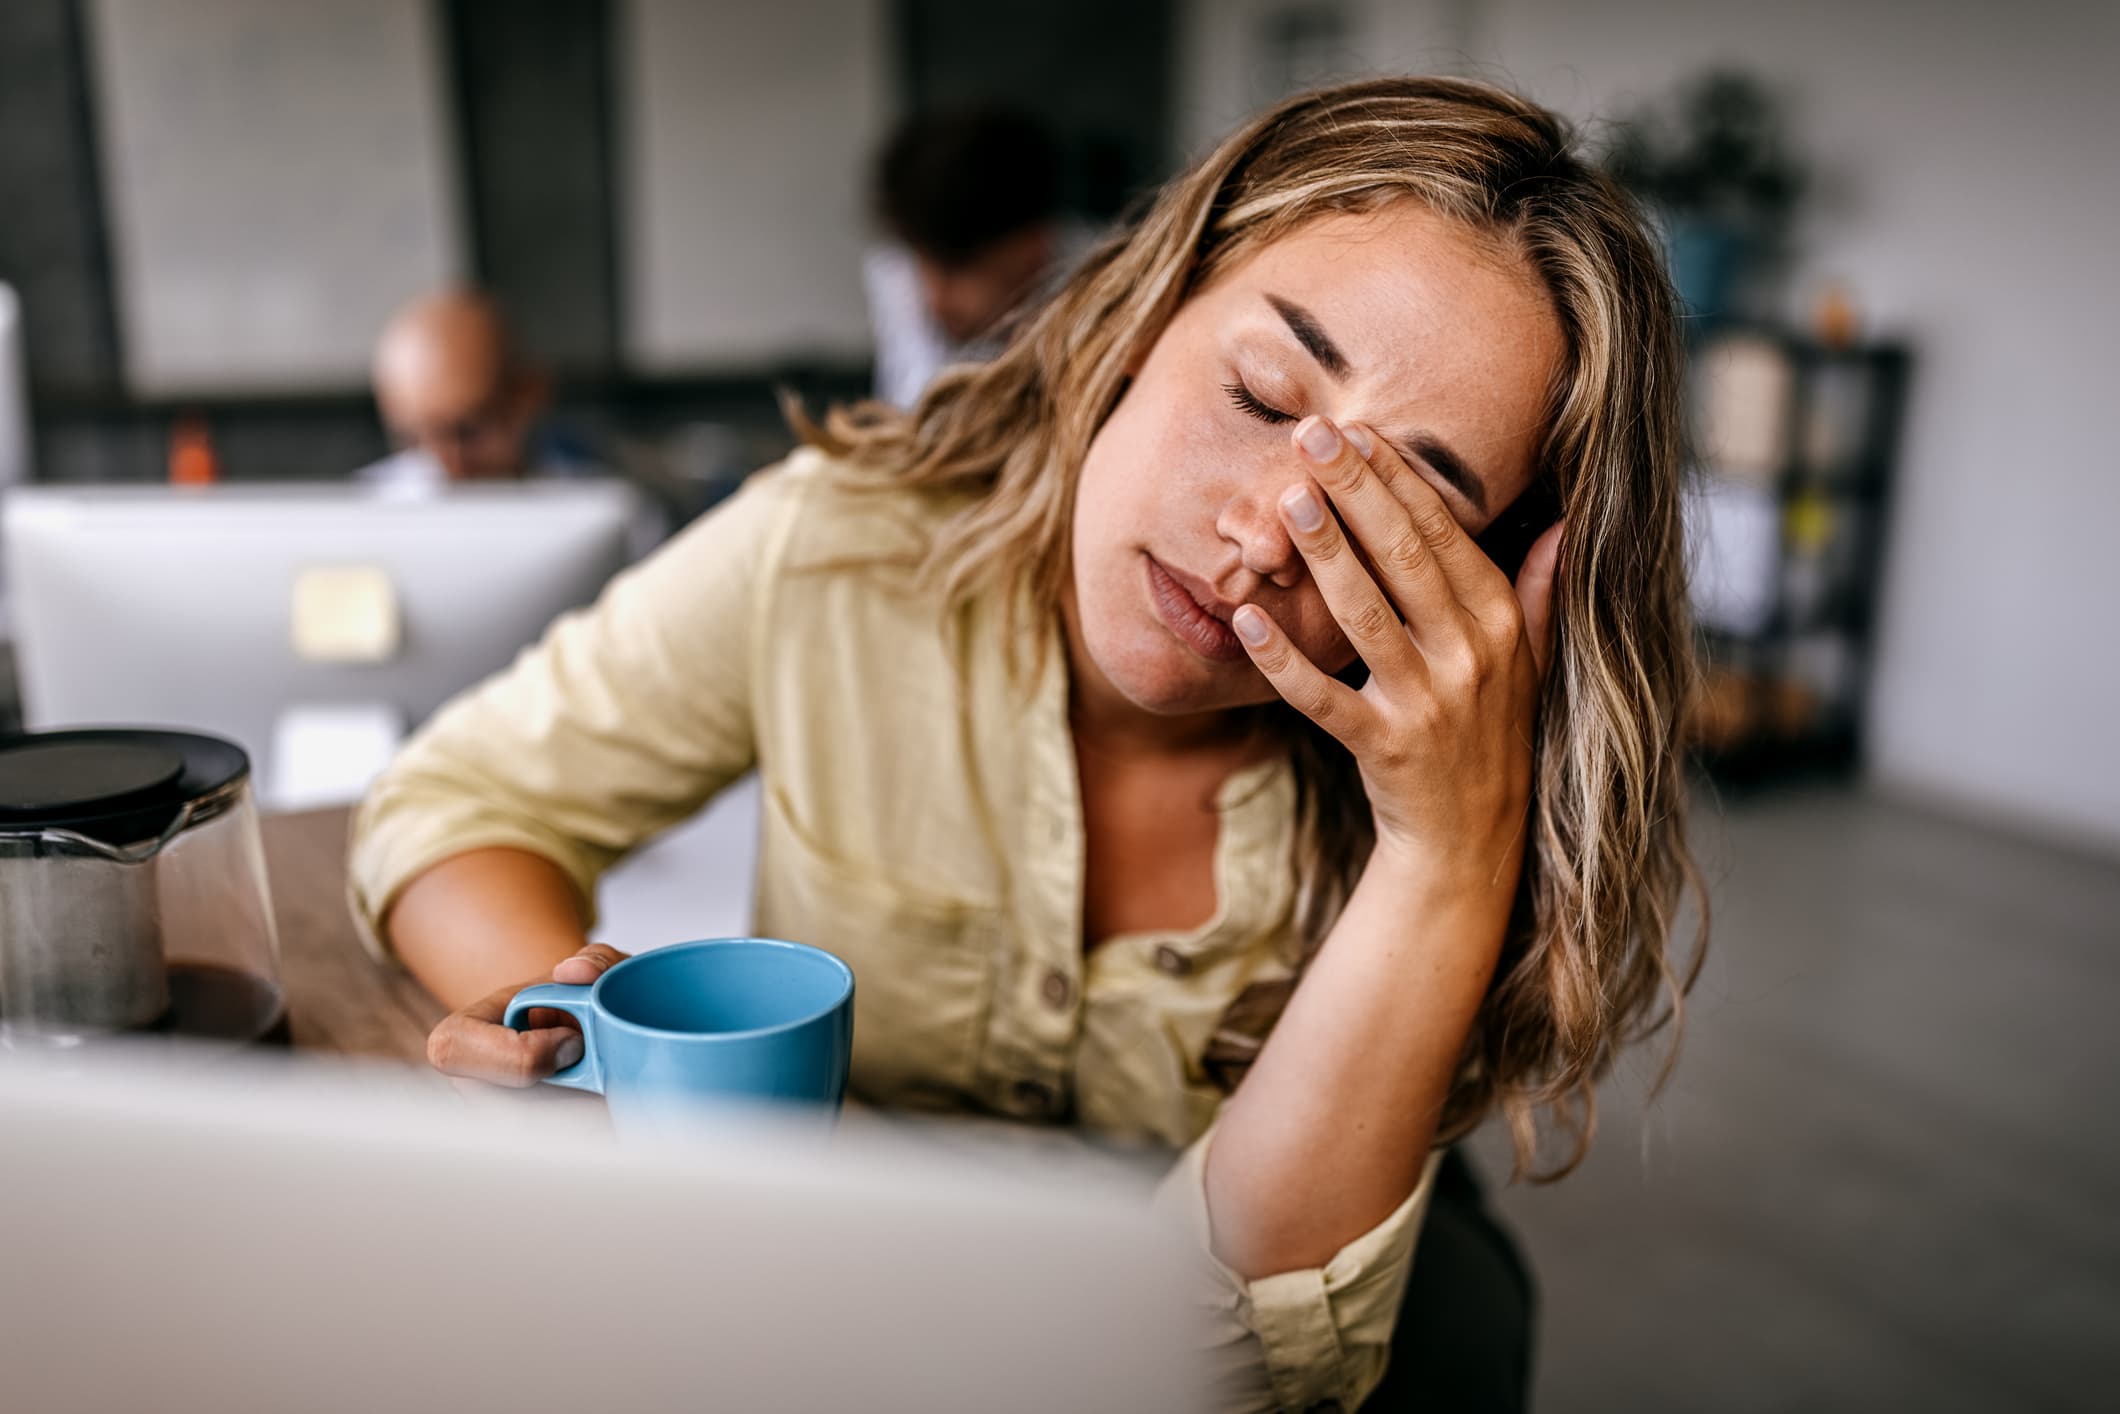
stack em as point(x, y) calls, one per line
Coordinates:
point(1249, 403)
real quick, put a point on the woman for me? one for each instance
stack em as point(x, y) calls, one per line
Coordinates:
point(1145, 712)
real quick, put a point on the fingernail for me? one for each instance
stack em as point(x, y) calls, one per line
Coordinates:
point(1318, 439)
point(1303, 509)
point(1250, 625)
point(569, 1053)
point(1358, 438)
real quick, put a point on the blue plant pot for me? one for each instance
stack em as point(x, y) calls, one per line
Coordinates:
point(1707, 260)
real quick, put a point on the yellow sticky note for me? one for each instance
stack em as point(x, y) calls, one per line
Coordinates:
point(345, 614)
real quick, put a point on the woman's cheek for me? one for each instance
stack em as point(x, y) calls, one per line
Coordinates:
point(1338, 655)
point(1318, 635)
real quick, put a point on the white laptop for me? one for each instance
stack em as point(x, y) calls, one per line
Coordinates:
point(277, 1236)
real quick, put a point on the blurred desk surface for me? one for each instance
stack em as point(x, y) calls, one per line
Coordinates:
point(339, 999)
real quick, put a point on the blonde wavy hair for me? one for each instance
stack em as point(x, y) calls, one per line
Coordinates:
point(1587, 966)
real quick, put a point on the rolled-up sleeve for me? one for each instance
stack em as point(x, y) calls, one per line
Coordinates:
point(626, 718)
point(1316, 1339)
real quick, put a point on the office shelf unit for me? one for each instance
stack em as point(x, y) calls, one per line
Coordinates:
point(1802, 510)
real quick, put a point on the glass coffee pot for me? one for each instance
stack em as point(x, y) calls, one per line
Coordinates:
point(133, 897)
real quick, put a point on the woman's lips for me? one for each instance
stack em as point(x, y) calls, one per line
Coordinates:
point(1187, 618)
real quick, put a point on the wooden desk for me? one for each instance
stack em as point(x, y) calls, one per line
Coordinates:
point(339, 999)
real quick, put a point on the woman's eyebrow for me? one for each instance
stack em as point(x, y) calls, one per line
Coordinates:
point(1311, 336)
point(1421, 446)
point(1447, 464)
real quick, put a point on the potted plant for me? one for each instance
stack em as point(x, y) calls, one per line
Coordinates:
point(1713, 163)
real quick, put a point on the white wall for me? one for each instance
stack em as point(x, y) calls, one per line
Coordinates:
point(747, 131)
point(1971, 199)
point(1227, 67)
point(279, 179)
point(1973, 203)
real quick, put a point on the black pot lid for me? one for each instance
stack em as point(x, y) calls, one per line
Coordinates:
point(117, 786)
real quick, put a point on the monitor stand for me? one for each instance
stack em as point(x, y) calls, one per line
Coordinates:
point(325, 754)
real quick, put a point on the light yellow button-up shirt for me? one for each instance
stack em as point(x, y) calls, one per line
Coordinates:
point(923, 821)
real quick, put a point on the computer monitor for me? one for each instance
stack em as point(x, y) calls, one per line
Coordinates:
point(311, 624)
point(14, 412)
point(14, 393)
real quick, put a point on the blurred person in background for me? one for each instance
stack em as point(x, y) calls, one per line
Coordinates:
point(1244, 715)
point(970, 200)
point(461, 401)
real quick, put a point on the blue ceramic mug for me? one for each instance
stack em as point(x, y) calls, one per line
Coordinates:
point(724, 1019)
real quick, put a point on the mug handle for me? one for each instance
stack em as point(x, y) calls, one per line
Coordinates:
point(584, 1074)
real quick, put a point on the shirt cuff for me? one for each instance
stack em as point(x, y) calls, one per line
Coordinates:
point(1316, 1339)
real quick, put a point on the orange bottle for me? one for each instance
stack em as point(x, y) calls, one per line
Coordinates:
point(192, 459)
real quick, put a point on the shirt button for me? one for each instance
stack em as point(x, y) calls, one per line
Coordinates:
point(1057, 989)
point(1171, 962)
point(1033, 1098)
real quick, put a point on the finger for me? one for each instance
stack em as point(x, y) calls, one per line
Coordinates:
point(1406, 565)
point(586, 966)
point(493, 1007)
point(1360, 608)
point(1534, 590)
point(474, 1044)
point(1333, 705)
point(1478, 584)
point(540, 1017)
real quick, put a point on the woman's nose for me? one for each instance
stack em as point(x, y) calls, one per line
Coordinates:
point(1251, 524)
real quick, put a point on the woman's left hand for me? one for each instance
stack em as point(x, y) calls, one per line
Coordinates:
point(1442, 730)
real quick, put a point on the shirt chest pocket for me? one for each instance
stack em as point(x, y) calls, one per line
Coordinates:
point(923, 962)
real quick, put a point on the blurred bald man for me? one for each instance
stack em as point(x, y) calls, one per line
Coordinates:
point(458, 398)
